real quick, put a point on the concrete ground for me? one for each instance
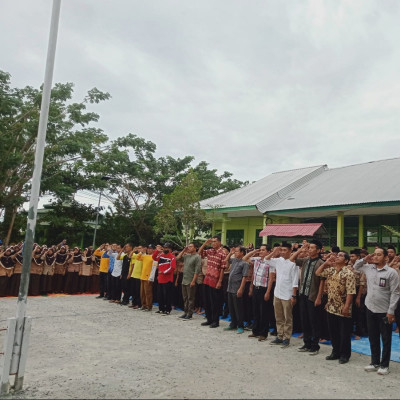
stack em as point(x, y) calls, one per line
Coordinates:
point(82, 347)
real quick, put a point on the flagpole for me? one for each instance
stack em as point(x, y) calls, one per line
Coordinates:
point(21, 334)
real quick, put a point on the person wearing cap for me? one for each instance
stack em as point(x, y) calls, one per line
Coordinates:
point(166, 266)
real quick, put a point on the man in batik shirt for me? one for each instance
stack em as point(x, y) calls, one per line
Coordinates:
point(213, 280)
point(341, 284)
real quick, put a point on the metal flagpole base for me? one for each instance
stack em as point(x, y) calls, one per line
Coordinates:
point(19, 377)
point(7, 356)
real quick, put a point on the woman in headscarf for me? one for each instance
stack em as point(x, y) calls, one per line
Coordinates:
point(15, 280)
point(7, 263)
point(59, 269)
point(36, 271)
point(73, 268)
point(46, 283)
point(86, 271)
point(95, 280)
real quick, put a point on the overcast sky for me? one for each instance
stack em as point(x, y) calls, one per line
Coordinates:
point(252, 87)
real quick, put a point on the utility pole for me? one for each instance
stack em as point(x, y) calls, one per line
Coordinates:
point(103, 178)
point(17, 339)
point(97, 220)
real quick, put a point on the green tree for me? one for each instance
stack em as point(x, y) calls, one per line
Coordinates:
point(214, 184)
point(139, 181)
point(66, 220)
point(72, 143)
point(181, 212)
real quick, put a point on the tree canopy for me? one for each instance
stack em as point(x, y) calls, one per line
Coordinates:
point(78, 154)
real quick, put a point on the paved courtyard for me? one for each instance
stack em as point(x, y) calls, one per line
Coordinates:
point(82, 347)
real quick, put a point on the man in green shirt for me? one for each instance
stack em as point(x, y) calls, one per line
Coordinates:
point(191, 270)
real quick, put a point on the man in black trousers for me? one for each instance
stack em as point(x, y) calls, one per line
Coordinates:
point(381, 301)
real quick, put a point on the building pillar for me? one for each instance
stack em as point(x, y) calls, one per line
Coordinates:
point(246, 234)
point(360, 231)
point(264, 238)
point(340, 230)
point(223, 231)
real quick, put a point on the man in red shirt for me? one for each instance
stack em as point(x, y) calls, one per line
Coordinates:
point(166, 266)
point(213, 279)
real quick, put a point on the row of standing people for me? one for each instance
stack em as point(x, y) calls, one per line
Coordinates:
point(297, 276)
point(56, 269)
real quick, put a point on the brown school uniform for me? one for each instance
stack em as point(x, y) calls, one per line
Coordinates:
point(37, 265)
point(46, 282)
point(59, 272)
point(94, 279)
point(6, 270)
point(15, 279)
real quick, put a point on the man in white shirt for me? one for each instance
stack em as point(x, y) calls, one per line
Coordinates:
point(287, 282)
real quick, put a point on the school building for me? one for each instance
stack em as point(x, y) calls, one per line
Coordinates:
point(357, 205)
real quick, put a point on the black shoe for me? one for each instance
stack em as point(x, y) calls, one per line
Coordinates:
point(124, 303)
point(159, 312)
point(274, 333)
point(332, 357)
point(343, 360)
point(183, 316)
point(99, 297)
point(205, 323)
point(188, 317)
point(303, 349)
point(214, 325)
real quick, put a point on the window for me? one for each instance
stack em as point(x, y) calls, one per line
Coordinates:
point(351, 231)
point(234, 237)
point(258, 239)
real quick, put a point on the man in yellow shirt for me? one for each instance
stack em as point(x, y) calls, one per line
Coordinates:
point(146, 286)
point(102, 252)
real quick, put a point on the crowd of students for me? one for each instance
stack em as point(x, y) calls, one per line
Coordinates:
point(325, 294)
point(54, 269)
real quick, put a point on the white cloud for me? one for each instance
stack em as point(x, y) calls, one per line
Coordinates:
point(251, 87)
